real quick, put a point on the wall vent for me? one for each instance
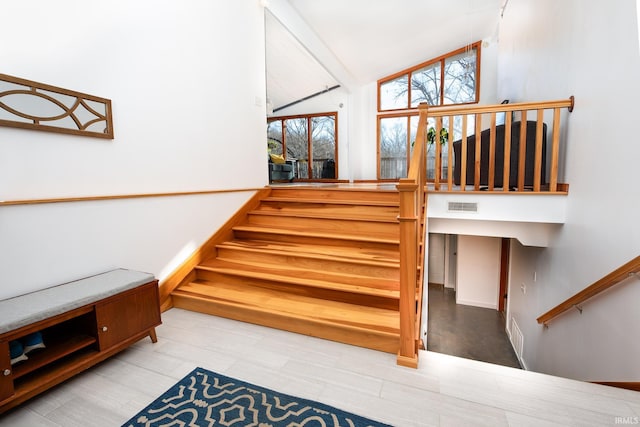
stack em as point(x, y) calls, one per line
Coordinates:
point(463, 207)
point(517, 339)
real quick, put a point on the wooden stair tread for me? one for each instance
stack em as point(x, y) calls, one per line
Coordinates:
point(364, 237)
point(328, 216)
point(295, 306)
point(374, 257)
point(356, 284)
point(389, 203)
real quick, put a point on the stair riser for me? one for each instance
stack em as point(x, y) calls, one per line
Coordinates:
point(308, 240)
point(345, 267)
point(300, 194)
point(387, 303)
point(382, 212)
point(311, 278)
point(329, 225)
point(382, 342)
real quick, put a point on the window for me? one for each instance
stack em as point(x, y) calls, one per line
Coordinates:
point(309, 140)
point(449, 79)
point(396, 134)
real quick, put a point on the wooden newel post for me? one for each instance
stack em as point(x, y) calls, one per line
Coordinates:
point(408, 352)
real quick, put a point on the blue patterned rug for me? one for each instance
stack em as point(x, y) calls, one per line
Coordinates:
point(205, 398)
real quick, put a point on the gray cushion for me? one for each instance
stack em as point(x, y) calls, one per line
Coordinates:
point(26, 309)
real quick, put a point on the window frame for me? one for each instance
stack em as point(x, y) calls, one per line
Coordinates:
point(309, 119)
point(442, 60)
point(394, 115)
point(409, 111)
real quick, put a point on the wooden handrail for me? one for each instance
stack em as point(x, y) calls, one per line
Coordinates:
point(499, 108)
point(529, 157)
point(611, 279)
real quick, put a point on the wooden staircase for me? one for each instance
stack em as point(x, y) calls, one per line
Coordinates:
point(313, 260)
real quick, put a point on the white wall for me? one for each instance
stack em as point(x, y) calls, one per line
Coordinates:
point(436, 258)
point(478, 271)
point(185, 79)
point(522, 292)
point(550, 50)
point(364, 132)
point(451, 261)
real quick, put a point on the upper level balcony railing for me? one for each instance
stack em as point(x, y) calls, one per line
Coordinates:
point(504, 147)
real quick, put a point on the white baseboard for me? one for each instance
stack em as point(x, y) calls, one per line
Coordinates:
point(477, 304)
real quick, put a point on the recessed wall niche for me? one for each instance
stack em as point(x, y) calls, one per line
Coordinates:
point(31, 105)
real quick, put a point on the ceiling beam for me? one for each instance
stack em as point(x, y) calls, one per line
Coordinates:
point(300, 30)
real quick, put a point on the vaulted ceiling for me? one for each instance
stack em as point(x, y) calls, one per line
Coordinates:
point(313, 45)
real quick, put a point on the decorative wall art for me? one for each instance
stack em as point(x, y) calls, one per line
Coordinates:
point(31, 105)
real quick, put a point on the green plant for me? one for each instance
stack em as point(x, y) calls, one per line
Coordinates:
point(431, 135)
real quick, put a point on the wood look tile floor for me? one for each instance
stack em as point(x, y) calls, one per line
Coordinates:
point(444, 391)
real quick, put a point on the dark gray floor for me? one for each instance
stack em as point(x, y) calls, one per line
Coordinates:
point(470, 332)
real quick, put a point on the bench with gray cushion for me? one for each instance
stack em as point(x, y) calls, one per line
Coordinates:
point(39, 305)
point(81, 323)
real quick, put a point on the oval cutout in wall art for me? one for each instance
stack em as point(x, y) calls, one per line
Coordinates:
point(31, 105)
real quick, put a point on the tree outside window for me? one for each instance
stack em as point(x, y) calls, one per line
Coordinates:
point(449, 79)
point(309, 140)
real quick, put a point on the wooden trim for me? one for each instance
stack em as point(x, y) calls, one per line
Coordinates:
point(505, 255)
point(336, 153)
point(563, 190)
point(523, 151)
point(438, 160)
point(463, 151)
point(412, 224)
point(635, 386)
point(407, 354)
point(506, 170)
point(616, 276)
point(120, 196)
point(476, 178)
point(225, 232)
point(537, 173)
point(555, 148)
point(378, 153)
point(439, 111)
point(478, 47)
point(492, 152)
point(450, 153)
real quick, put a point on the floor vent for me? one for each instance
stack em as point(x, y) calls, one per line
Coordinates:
point(516, 338)
point(463, 207)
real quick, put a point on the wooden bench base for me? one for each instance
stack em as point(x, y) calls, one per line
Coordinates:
point(76, 340)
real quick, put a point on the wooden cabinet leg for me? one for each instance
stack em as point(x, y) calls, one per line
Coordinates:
point(152, 335)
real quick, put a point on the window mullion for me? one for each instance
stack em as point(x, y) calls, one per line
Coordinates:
point(309, 149)
point(442, 64)
point(409, 89)
point(284, 138)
